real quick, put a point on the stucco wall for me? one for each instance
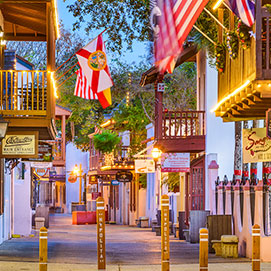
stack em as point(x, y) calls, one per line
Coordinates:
point(74, 156)
point(22, 213)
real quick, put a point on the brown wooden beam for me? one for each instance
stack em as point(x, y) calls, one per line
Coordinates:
point(24, 37)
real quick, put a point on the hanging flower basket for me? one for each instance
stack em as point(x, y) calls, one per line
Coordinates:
point(232, 44)
point(243, 32)
point(220, 57)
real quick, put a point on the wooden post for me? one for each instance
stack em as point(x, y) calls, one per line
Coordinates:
point(100, 217)
point(203, 249)
point(43, 249)
point(256, 253)
point(220, 29)
point(80, 183)
point(165, 232)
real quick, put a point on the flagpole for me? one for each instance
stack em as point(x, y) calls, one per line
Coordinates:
point(206, 10)
point(66, 80)
point(204, 35)
point(66, 71)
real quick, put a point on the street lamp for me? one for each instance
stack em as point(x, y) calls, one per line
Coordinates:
point(78, 173)
point(3, 127)
point(156, 154)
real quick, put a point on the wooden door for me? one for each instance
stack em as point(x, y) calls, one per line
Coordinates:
point(196, 186)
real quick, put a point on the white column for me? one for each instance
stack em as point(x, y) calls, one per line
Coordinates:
point(228, 209)
point(220, 208)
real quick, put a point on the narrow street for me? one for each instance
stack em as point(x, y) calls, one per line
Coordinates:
point(125, 246)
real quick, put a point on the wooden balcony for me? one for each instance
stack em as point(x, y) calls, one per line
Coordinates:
point(58, 153)
point(27, 101)
point(244, 89)
point(110, 163)
point(182, 131)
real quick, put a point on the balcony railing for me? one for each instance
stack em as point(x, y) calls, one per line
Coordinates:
point(181, 124)
point(23, 93)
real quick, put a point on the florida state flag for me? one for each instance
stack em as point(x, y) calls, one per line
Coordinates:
point(93, 62)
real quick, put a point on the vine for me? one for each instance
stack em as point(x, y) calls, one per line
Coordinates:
point(243, 32)
point(220, 57)
point(232, 44)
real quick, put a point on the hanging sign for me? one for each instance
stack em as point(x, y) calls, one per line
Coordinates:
point(175, 162)
point(268, 123)
point(144, 166)
point(256, 146)
point(92, 180)
point(124, 176)
point(42, 172)
point(20, 145)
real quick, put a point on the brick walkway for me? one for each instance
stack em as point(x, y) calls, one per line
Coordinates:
point(126, 247)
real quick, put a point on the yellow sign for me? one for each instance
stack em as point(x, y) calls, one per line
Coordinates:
point(21, 145)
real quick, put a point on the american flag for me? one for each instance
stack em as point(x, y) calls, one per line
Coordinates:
point(82, 88)
point(178, 17)
point(244, 9)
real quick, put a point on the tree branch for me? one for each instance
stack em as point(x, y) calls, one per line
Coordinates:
point(144, 108)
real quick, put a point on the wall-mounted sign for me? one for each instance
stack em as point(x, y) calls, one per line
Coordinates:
point(268, 123)
point(115, 182)
point(175, 162)
point(45, 151)
point(41, 164)
point(161, 87)
point(72, 179)
point(21, 144)
point(256, 146)
point(124, 176)
point(92, 180)
point(144, 166)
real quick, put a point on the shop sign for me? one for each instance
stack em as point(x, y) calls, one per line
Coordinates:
point(42, 165)
point(144, 166)
point(20, 145)
point(175, 162)
point(115, 182)
point(124, 176)
point(256, 146)
point(42, 172)
point(92, 180)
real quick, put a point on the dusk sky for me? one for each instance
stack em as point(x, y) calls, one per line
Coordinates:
point(138, 49)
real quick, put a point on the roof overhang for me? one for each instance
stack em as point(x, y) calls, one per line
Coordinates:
point(188, 55)
point(25, 20)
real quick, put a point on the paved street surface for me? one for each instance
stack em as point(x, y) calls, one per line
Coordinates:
point(72, 247)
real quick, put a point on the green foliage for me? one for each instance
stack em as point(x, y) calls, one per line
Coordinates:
point(268, 6)
point(244, 35)
point(220, 57)
point(106, 142)
point(143, 180)
point(126, 21)
point(232, 44)
point(172, 180)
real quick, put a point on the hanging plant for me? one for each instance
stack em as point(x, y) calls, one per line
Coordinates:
point(220, 57)
point(106, 142)
point(232, 44)
point(243, 32)
point(268, 6)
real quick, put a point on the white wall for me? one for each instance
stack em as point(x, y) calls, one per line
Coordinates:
point(22, 212)
point(74, 156)
point(219, 134)
point(5, 226)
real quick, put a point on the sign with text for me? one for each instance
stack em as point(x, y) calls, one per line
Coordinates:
point(100, 217)
point(42, 172)
point(256, 146)
point(165, 232)
point(20, 145)
point(124, 176)
point(144, 166)
point(175, 162)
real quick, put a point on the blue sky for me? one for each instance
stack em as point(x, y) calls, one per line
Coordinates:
point(139, 49)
